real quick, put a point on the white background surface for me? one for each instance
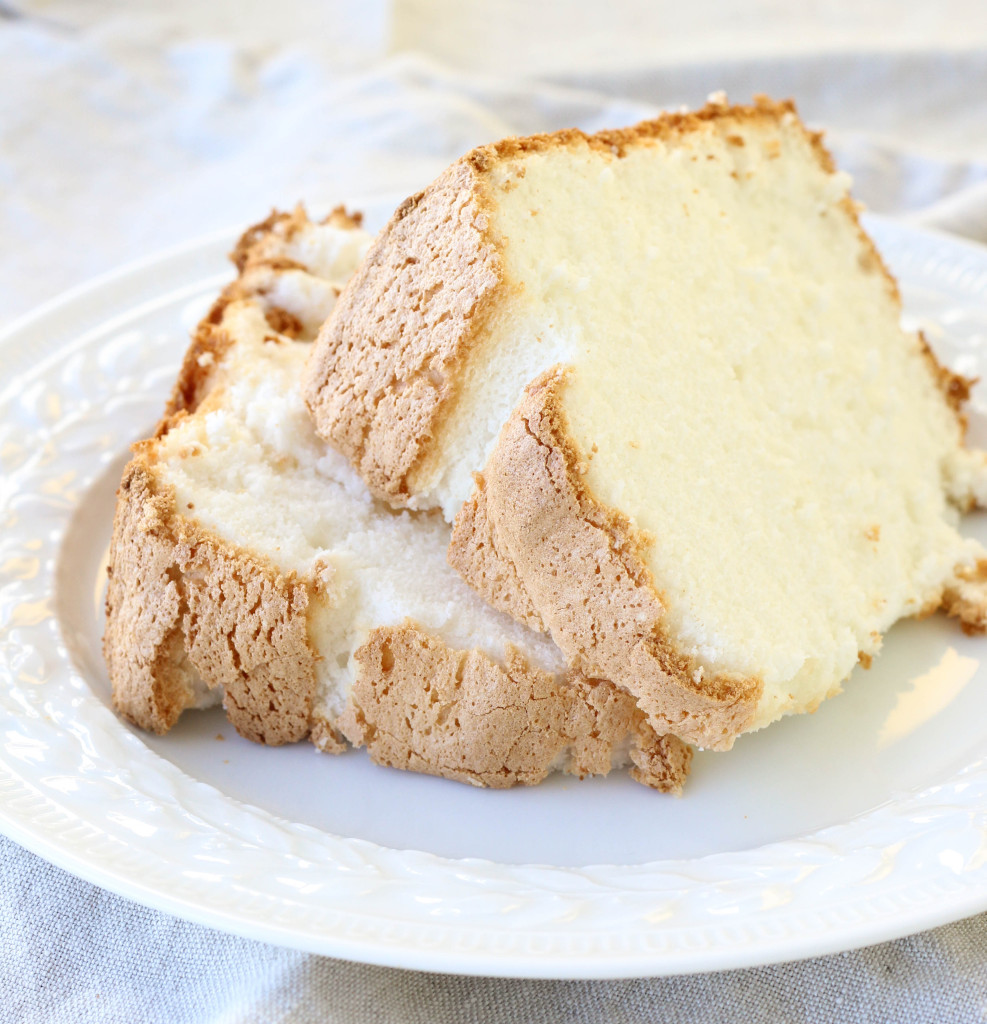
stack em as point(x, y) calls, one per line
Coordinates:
point(125, 127)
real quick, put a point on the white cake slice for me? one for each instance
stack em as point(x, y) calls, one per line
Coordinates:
point(717, 466)
point(251, 566)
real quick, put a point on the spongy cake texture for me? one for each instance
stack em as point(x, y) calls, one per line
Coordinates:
point(250, 565)
point(718, 467)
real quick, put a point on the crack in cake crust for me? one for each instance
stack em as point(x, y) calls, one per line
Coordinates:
point(477, 555)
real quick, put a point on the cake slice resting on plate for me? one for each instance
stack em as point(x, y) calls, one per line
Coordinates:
point(656, 378)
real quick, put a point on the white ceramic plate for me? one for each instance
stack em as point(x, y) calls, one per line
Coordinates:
point(865, 821)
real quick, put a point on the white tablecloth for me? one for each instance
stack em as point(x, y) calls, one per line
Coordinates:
point(125, 127)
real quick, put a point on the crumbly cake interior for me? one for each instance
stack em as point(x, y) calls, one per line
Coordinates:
point(739, 386)
point(250, 468)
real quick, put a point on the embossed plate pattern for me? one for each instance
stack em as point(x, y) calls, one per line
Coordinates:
point(87, 373)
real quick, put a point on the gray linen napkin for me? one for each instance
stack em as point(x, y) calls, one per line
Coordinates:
point(70, 952)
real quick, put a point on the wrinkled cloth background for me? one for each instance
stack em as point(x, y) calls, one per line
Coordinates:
point(126, 127)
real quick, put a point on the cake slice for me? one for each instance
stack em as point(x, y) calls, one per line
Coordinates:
point(250, 566)
point(660, 372)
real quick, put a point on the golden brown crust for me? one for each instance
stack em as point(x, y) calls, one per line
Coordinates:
point(954, 387)
point(246, 630)
point(669, 127)
point(382, 370)
point(195, 378)
point(326, 737)
point(582, 565)
point(661, 762)
point(476, 555)
point(966, 597)
point(257, 235)
point(421, 705)
point(182, 603)
point(143, 645)
point(261, 243)
point(258, 252)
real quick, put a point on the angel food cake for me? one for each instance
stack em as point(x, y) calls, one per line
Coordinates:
point(251, 566)
point(663, 368)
